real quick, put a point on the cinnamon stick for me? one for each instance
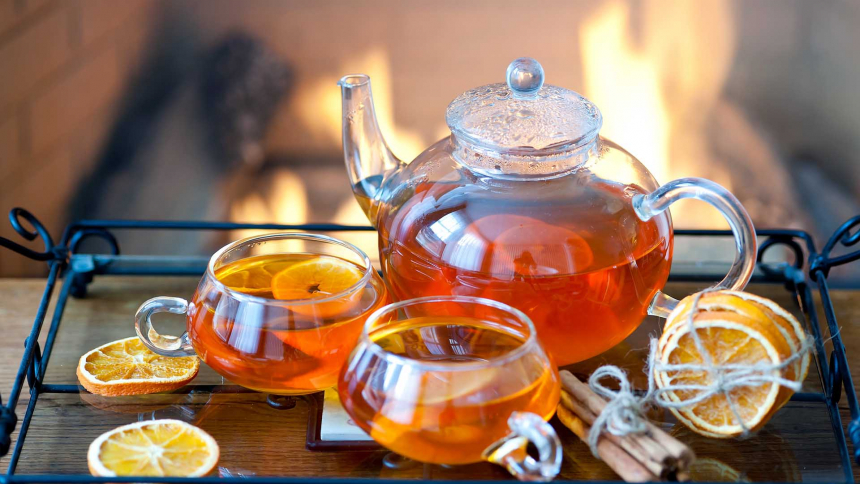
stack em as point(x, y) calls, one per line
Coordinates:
point(614, 456)
point(677, 449)
point(595, 404)
point(640, 446)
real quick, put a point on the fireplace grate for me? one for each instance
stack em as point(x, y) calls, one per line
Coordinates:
point(77, 270)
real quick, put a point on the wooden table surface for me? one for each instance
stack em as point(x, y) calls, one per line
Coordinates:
point(257, 439)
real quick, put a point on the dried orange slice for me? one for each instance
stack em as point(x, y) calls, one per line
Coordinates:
point(788, 325)
point(733, 330)
point(318, 278)
point(763, 310)
point(126, 367)
point(728, 339)
point(161, 448)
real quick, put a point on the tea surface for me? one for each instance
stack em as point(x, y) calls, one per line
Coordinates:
point(290, 347)
point(448, 413)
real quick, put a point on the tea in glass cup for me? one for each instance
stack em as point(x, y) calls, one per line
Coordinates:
point(455, 380)
point(277, 313)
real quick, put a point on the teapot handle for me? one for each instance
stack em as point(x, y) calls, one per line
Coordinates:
point(649, 205)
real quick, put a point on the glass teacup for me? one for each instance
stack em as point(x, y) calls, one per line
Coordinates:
point(455, 380)
point(277, 313)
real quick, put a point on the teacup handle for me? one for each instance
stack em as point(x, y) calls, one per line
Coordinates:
point(511, 453)
point(158, 343)
point(647, 206)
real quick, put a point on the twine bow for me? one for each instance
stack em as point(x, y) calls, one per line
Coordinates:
point(624, 412)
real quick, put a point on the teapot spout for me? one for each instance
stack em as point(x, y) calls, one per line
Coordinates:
point(369, 161)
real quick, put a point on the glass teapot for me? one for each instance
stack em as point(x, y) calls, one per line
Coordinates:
point(526, 204)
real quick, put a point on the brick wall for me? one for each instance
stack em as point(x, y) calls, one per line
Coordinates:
point(54, 112)
point(63, 66)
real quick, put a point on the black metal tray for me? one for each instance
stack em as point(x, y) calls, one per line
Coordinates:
point(67, 407)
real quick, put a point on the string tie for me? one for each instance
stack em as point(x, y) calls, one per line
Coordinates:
point(625, 412)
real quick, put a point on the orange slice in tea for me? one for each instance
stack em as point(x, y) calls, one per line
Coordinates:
point(161, 448)
point(440, 386)
point(318, 278)
point(254, 282)
point(126, 367)
point(442, 402)
point(527, 246)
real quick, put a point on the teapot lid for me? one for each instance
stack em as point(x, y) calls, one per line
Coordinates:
point(523, 116)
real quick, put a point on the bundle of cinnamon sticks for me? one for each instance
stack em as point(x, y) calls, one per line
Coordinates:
point(649, 456)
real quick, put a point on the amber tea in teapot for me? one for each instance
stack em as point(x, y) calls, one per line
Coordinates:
point(525, 203)
point(567, 255)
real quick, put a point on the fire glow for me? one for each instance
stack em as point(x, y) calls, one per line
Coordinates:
point(654, 88)
point(319, 109)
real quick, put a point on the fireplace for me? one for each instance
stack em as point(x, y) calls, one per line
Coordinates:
point(759, 97)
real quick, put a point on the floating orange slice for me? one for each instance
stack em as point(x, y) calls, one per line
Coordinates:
point(254, 277)
point(126, 367)
point(161, 448)
point(516, 244)
point(318, 278)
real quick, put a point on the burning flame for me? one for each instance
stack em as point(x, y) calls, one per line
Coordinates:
point(655, 89)
point(350, 213)
point(642, 67)
point(285, 202)
point(320, 105)
point(319, 109)
point(625, 85)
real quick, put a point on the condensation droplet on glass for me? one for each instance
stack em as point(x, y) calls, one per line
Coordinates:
point(524, 113)
point(614, 205)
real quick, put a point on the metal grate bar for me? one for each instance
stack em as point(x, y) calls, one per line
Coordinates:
point(33, 338)
point(86, 479)
point(22, 433)
point(55, 326)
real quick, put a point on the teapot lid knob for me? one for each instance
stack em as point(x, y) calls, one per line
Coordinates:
point(525, 77)
point(523, 117)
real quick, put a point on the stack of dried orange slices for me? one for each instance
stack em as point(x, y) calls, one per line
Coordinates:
point(736, 330)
